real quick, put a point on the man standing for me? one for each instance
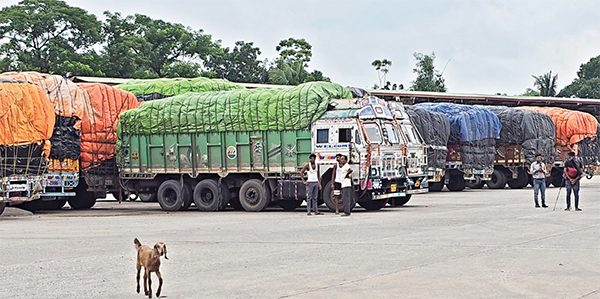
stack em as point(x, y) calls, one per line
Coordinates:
point(336, 177)
point(347, 191)
point(538, 172)
point(313, 185)
point(572, 172)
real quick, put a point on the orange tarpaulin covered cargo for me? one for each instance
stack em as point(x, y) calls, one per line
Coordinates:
point(26, 115)
point(99, 123)
point(571, 126)
point(68, 100)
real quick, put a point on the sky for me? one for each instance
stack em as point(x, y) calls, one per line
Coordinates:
point(484, 47)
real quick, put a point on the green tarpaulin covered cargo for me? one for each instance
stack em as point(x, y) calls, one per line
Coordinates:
point(152, 89)
point(275, 109)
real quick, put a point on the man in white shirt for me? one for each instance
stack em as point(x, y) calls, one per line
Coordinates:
point(538, 172)
point(347, 191)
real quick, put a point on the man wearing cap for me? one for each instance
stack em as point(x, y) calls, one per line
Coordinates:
point(572, 172)
point(538, 172)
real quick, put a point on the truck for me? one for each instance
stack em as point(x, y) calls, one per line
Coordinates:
point(575, 131)
point(246, 148)
point(27, 119)
point(434, 128)
point(524, 134)
point(414, 147)
point(471, 145)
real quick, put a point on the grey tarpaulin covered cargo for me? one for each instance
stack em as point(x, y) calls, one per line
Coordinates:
point(434, 127)
point(474, 128)
point(533, 130)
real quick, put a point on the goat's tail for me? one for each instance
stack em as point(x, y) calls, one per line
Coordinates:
point(137, 243)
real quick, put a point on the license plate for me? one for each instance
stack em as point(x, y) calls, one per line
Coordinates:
point(53, 183)
point(393, 187)
point(17, 188)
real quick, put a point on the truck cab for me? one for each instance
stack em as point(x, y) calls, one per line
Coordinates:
point(365, 132)
point(415, 149)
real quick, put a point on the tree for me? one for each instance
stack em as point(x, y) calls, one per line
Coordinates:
point(546, 84)
point(428, 79)
point(293, 50)
point(382, 67)
point(44, 34)
point(120, 43)
point(240, 64)
point(587, 83)
point(288, 74)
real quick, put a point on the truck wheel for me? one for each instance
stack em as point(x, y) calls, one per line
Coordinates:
point(373, 205)
point(208, 196)
point(498, 180)
point(254, 196)
point(327, 198)
point(171, 197)
point(521, 181)
point(289, 205)
point(476, 184)
point(84, 199)
point(2, 206)
point(400, 201)
point(147, 197)
point(436, 186)
point(456, 183)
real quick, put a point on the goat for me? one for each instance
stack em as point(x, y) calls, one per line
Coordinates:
point(149, 258)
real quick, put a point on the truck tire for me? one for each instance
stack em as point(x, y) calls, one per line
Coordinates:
point(373, 205)
point(436, 186)
point(327, 198)
point(254, 196)
point(456, 183)
point(476, 184)
point(498, 180)
point(2, 206)
point(83, 199)
point(520, 182)
point(172, 197)
point(289, 205)
point(147, 197)
point(400, 201)
point(209, 197)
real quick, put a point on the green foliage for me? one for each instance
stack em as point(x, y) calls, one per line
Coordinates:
point(529, 93)
point(288, 74)
point(40, 34)
point(428, 79)
point(293, 50)
point(317, 75)
point(546, 84)
point(383, 68)
point(240, 64)
point(587, 83)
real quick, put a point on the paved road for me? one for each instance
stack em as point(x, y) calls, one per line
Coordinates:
point(471, 244)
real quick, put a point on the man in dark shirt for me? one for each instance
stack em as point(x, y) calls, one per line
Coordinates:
point(572, 172)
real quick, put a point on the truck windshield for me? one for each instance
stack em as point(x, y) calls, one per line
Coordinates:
point(412, 135)
point(373, 133)
point(392, 133)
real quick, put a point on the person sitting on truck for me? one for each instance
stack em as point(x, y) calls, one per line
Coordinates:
point(572, 172)
point(312, 183)
point(538, 172)
point(346, 184)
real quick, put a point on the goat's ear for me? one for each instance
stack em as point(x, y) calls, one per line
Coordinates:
point(165, 248)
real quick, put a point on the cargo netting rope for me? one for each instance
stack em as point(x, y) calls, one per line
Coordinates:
point(434, 127)
point(27, 119)
point(276, 109)
point(99, 125)
point(153, 89)
point(534, 131)
point(474, 128)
